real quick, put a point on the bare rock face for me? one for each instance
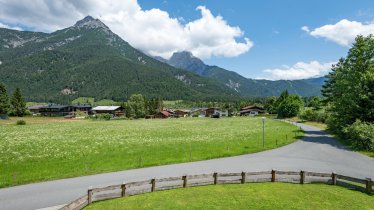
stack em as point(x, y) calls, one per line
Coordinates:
point(90, 22)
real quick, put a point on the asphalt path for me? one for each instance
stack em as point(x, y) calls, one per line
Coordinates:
point(317, 152)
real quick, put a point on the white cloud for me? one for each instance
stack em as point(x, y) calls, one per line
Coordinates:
point(343, 32)
point(305, 28)
point(10, 27)
point(300, 70)
point(152, 31)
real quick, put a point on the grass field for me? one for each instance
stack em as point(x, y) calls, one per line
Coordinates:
point(247, 196)
point(52, 148)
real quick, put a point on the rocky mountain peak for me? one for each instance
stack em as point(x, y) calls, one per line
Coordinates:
point(90, 22)
point(186, 60)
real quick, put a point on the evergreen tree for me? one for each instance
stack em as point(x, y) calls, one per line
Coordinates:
point(350, 85)
point(4, 100)
point(18, 103)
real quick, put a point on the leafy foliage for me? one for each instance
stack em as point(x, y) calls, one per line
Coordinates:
point(289, 105)
point(349, 87)
point(360, 135)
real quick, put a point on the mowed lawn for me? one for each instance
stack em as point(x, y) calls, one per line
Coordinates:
point(246, 196)
point(52, 148)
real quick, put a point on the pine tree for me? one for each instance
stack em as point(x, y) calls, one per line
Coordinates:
point(4, 100)
point(18, 103)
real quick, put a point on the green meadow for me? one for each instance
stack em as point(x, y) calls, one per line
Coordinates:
point(53, 148)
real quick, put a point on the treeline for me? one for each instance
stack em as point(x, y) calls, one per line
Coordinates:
point(16, 106)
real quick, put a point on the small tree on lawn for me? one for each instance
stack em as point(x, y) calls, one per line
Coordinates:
point(4, 100)
point(18, 103)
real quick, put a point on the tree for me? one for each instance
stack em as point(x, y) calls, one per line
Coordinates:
point(4, 100)
point(315, 102)
point(136, 106)
point(18, 103)
point(270, 105)
point(350, 85)
point(290, 106)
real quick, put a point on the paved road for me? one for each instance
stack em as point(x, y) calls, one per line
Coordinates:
point(317, 152)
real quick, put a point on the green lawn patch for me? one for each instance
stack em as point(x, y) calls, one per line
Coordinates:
point(246, 196)
point(53, 148)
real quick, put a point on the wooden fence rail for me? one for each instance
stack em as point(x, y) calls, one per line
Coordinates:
point(152, 185)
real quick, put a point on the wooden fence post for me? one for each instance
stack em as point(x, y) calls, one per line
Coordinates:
point(302, 177)
point(369, 185)
point(184, 181)
point(123, 187)
point(273, 175)
point(89, 195)
point(153, 182)
point(215, 177)
point(333, 177)
point(243, 177)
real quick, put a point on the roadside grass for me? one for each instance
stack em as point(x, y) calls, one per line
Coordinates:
point(246, 196)
point(52, 148)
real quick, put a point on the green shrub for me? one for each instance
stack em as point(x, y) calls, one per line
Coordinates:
point(313, 115)
point(360, 135)
point(105, 116)
point(21, 122)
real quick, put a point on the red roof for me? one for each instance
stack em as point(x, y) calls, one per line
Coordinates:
point(165, 113)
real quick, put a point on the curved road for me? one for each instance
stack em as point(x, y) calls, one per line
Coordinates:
point(317, 151)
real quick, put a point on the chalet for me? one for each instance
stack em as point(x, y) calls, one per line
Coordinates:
point(211, 112)
point(198, 112)
point(52, 110)
point(113, 110)
point(162, 115)
point(251, 110)
point(35, 109)
point(82, 108)
point(181, 113)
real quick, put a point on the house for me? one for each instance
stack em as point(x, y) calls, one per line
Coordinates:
point(82, 108)
point(52, 110)
point(198, 112)
point(162, 115)
point(213, 111)
point(181, 113)
point(113, 110)
point(251, 110)
point(35, 109)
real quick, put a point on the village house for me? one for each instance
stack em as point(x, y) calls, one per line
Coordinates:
point(113, 110)
point(216, 112)
point(54, 110)
point(251, 110)
point(198, 112)
point(35, 109)
point(181, 113)
point(162, 115)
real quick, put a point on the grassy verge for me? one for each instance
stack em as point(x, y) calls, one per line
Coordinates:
point(52, 148)
point(246, 196)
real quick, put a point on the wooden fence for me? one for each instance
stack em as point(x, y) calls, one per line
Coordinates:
point(152, 185)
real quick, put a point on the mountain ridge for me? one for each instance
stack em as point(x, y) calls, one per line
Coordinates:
point(89, 60)
point(245, 86)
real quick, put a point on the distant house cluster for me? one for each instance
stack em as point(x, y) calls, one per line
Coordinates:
point(53, 110)
point(70, 111)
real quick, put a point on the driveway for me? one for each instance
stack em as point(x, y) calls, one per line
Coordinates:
point(317, 152)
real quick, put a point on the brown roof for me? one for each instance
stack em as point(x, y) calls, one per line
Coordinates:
point(252, 107)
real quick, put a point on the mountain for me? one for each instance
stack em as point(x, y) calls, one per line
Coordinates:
point(89, 60)
point(244, 86)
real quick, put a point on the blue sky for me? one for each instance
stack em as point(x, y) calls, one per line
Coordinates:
point(274, 27)
point(257, 39)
